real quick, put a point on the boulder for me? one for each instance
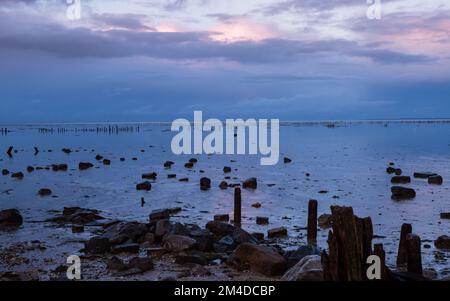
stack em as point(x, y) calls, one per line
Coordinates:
point(97, 245)
point(402, 193)
point(98, 157)
point(106, 162)
point(222, 217)
point(77, 215)
point(125, 248)
point(261, 259)
point(10, 218)
point(17, 175)
point(44, 192)
point(307, 269)
point(223, 185)
point(287, 160)
point(143, 264)
point(122, 232)
point(436, 180)
point(250, 183)
point(163, 227)
point(294, 256)
point(146, 186)
point(67, 150)
point(227, 169)
point(324, 221)
point(168, 164)
point(158, 214)
point(5, 172)
point(178, 243)
point(116, 264)
point(445, 215)
point(205, 183)
point(442, 242)
point(149, 176)
point(85, 165)
point(220, 229)
point(203, 237)
point(59, 167)
point(189, 165)
point(171, 176)
point(262, 220)
point(277, 232)
point(401, 180)
point(30, 168)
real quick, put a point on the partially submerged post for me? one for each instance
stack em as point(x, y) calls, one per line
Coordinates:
point(402, 248)
point(237, 206)
point(312, 222)
point(379, 251)
point(414, 256)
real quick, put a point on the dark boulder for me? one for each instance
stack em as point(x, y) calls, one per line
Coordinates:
point(178, 243)
point(168, 164)
point(97, 245)
point(85, 165)
point(442, 242)
point(59, 167)
point(223, 185)
point(5, 172)
point(250, 183)
point(222, 217)
point(44, 192)
point(287, 160)
point(294, 256)
point(402, 193)
point(227, 169)
point(146, 186)
point(106, 162)
point(220, 229)
point(10, 218)
point(125, 248)
point(277, 232)
point(149, 176)
point(17, 175)
point(205, 183)
point(423, 175)
point(401, 180)
point(262, 220)
point(436, 180)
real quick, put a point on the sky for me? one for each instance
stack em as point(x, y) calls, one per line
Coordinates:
point(161, 60)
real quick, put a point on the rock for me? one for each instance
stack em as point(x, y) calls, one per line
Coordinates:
point(402, 193)
point(171, 176)
point(177, 243)
point(148, 238)
point(258, 235)
point(307, 269)
point(77, 229)
point(122, 159)
point(241, 236)
point(189, 165)
point(250, 183)
point(30, 168)
point(424, 175)
point(97, 245)
point(163, 227)
point(223, 185)
point(398, 171)
point(277, 232)
point(261, 259)
point(436, 180)
point(256, 205)
point(287, 160)
point(193, 160)
point(401, 180)
point(220, 229)
point(106, 162)
point(191, 258)
point(17, 175)
point(98, 158)
point(168, 164)
point(158, 214)
point(205, 183)
point(184, 180)
point(77, 215)
point(222, 217)
point(324, 221)
point(66, 150)
point(226, 169)
point(125, 248)
point(390, 170)
point(225, 244)
point(44, 192)
point(141, 263)
point(85, 165)
point(442, 242)
point(5, 172)
point(203, 237)
point(147, 186)
point(294, 256)
point(261, 220)
point(445, 215)
point(10, 218)
point(116, 264)
point(122, 232)
point(59, 167)
point(149, 176)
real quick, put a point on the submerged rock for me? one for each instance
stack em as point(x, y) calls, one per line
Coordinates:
point(436, 180)
point(223, 185)
point(287, 160)
point(189, 165)
point(423, 175)
point(5, 172)
point(149, 176)
point(10, 218)
point(402, 193)
point(401, 180)
point(261, 259)
point(262, 220)
point(77, 215)
point(277, 232)
point(250, 183)
point(17, 175)
point(30, 168)
point(147, 186)
point(307, 269)
point(168, 164)
point(222, 217)
point(85, 165)
point(445, 215)
point(205, 183)
point(44, 192)
point(59, 167)
point(226, 169)
point(442, 242)
point(106, 162)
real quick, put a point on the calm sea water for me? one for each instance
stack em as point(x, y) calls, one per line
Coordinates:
point(348, 161)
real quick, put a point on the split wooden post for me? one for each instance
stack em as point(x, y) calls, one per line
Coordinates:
point(237, 206)
point(414, 256)
point(312, 222)
point(402, 248)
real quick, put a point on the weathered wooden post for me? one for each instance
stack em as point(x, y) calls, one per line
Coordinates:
point(379, 251)
point(402, 248)
point(312, 222)
point(414, 256)
point(237, 206)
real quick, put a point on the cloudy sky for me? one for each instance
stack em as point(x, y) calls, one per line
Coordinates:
point(162, 59)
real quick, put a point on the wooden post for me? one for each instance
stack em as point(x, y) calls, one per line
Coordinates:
point(379, 251)
point(9, 151)
point(312, 222)
point(237, 206)
point(414, 256)
point(402, 248)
